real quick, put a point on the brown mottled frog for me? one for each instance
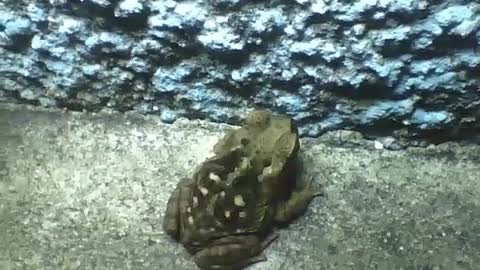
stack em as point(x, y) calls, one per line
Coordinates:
point(224, 213)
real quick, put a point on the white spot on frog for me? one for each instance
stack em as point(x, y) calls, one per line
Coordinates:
point(203, 190)
point(267, 170)
point(195, 201)
point(214, 177)
point(238, 200)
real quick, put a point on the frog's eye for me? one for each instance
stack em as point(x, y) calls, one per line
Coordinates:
point(214, 177)
point(267, 162)
point(293, 127)
point(244, 141)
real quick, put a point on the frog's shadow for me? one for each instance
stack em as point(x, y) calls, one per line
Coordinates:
point(297, 178)
point(297, 172)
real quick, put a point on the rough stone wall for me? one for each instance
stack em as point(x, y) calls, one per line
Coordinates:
point(401, 68)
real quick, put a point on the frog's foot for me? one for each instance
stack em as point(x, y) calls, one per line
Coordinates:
point(270, 238)
point(297, 203)
point(316, 192)
point(241, 264)
point(233, 252)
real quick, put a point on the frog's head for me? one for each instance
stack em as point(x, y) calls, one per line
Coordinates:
point(258, 119)
point(276, 141)
point(268, 140)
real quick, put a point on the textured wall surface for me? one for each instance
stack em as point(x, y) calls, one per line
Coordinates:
point(396, 67)
point(84, 191)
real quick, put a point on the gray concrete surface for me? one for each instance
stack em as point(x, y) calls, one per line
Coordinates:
point(84, 191)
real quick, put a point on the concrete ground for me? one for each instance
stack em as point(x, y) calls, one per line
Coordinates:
point(88, 191)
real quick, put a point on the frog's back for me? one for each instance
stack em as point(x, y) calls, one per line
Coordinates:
point(229, 196)
point(225, 201)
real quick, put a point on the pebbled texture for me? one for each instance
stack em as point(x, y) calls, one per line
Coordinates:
point(402, 68)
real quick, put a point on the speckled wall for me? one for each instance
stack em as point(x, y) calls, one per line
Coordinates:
point(395, 68)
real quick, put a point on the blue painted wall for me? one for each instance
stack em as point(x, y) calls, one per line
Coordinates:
point(407, 67)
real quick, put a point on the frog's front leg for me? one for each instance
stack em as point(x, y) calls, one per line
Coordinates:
point(296, 204)
point(233, 252)
point(177, 203)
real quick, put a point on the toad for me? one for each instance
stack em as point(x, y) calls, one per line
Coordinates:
point(224, 213)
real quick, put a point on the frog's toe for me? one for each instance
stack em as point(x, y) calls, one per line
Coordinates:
point(315, 191)
point(270, 238)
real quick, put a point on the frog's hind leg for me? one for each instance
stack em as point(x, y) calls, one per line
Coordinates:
point(233, 252)
point(176, 204)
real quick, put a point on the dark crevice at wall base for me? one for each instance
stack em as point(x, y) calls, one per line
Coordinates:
point(392, 135)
